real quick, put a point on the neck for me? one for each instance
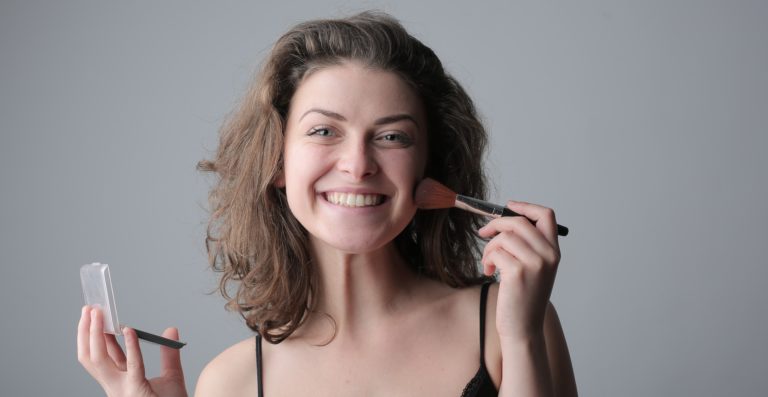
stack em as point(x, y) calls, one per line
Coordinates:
point(358, 291)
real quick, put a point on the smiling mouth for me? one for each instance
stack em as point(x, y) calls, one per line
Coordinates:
point(354, 200)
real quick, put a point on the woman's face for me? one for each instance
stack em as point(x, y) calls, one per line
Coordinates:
point(355, 147)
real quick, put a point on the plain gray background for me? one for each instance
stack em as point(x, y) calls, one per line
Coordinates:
point(643, 123)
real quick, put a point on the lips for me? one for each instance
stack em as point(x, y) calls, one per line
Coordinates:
point(354, 200)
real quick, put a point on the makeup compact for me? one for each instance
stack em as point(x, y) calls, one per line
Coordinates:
point(97, 292)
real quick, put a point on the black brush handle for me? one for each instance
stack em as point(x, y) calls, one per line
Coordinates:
point(561, 230)
point(158, 339)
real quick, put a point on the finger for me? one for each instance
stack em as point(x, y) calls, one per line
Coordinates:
point(83, 336)
point(134, 362)
point(170, 359)
point(98, 346)
point(542, 217)
point(522, 227)
point(115, 351)
point(507, 265)
point(489, 269)
point(517, 247)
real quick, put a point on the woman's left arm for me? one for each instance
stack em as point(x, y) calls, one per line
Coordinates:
point(535, 360)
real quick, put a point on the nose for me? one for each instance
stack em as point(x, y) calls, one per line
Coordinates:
point(356, 161)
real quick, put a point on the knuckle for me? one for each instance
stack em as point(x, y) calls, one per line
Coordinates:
point(497, 239)
point(497, 243)
point(551, 257)
point(133, 365)
point(519, 220)
point(517, 238)
point(537, 264)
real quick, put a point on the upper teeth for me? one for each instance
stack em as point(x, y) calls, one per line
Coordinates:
point(353, 200)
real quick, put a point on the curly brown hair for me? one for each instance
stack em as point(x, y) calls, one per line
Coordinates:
point(253, 238)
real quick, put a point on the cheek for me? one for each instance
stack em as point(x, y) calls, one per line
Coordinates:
point(408, 166)
point(303, 165)
point(292, 174)
point(406, 171)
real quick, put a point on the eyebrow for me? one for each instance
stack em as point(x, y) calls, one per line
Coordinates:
point(380, 121)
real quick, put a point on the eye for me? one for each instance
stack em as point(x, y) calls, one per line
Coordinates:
point(320, 131)
point(392, 137)
point(395, 139)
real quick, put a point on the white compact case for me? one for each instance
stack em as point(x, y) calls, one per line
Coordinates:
point(97, 292)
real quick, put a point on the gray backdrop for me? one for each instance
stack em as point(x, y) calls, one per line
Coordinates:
point(642, 123)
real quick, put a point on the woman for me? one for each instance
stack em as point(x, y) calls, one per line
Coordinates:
point(350, 289)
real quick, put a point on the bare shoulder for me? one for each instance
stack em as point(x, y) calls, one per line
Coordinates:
point(231, 373)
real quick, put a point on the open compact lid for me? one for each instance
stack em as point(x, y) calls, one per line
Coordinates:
point(97, 292)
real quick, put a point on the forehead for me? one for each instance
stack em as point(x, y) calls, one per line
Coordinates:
point(355, 91)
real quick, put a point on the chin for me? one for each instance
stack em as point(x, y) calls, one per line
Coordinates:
point(356, 239)
point(355, 245)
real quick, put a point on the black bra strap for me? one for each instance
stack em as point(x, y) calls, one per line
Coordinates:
point(483, 299)
point(258, 365)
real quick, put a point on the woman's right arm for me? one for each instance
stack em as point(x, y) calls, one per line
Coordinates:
point(122, 374)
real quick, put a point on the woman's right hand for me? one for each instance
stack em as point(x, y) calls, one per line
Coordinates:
point(119, 375)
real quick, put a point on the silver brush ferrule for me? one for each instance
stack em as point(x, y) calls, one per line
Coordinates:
point(478, 206)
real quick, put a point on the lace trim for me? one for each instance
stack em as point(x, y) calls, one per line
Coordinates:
point(474, 384)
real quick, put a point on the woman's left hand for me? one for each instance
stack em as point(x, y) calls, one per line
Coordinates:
point(526, 254)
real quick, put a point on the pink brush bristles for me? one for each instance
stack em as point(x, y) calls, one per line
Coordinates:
point(431, 194)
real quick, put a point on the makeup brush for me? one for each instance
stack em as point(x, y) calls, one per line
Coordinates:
point(431, 194)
